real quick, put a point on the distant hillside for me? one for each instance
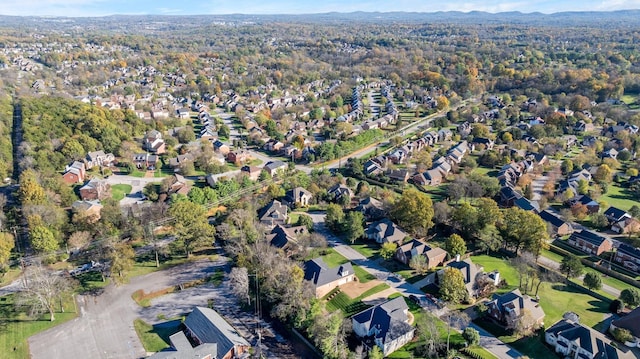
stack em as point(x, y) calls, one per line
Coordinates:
point(623, 18)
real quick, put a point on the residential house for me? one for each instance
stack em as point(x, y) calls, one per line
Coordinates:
point(630, 322)
point(592, 205)
point(325, 279)
point(371, 168)
point(252, 171)
point(274, 167)
point(273, 146)
point(182, 348)
point(627, 225)
point(340, 191)
point(435, 255)
point(508, 308)
point(274, 213)
point(98, 159)
point(486, 142)
point(179, 185)
point(154, 143)
point(527, 205)
point(589, 242)
point(239, 157)
point(557, 224)
point(509, 196)
point(221, 147)
point(610, 153)
point(577, 341)
point(180, 160)
point(74, 173)
point(145, 161)
point(211, 180)
point(400, 175)
point(470, 273)
point(628, 256)
point(286, 238)
point(182, 113)
point(204, 325)
point(87, 209)
point(615, 215)
point(582, 126)
point(432, 177)
point(298, 197)
point(371, 208)
point(385, 325)
point(95, 189)
point(384, 231)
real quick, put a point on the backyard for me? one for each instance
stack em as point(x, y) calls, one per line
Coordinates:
point(119, 191)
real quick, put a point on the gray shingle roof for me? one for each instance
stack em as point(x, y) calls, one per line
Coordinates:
point(318, 272)
point(209, 327)
point(389, 319)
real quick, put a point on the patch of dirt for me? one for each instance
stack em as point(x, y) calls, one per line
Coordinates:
point(355, 288)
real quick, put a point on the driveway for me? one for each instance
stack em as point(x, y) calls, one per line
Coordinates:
point(104, 328)
point(495, 345)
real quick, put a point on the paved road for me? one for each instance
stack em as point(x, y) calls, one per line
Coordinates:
point(495, 345)
point(555, 265)
point(104, 328)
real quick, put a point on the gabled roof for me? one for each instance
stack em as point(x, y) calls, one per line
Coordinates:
point(615, 213)
point(516, 302)
point(280, 236)
point(294, 195)
point(318, 272)
point(209, 327)
point(586, 338)
point(387, 230)
point(589, 237)
point(181, 349)
point(526, 205)
point(274, 211)
point(469, 269)
point(629, 250)
point(389, 320)
point(551, 218)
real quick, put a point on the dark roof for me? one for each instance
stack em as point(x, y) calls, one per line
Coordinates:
point(318, 272)
point(469, 269)
point(551, 218)
point(588, 236)
point(616, 213)
point(280, 236)
point(209, 327)
point(274, 165)
point(586, 338)
point(525, 204)
point(389, 319)
point(274, 211)
point(631, 322)
point(517, 302)
point(630, 250)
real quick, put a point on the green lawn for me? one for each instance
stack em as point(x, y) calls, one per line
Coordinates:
point(366, 248)
point(617, 196)
point(17, 327)
point(353, 306)
point(155, 338)
point(333, 258)
point(555, 298)
point(363, 275)
point(119, 191)
point(533, 346)
point(630, 99)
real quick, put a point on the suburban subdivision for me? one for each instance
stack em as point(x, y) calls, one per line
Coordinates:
point(333, 185)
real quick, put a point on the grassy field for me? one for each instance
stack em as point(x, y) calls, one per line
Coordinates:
point(618, 197)
point(333, 258)
point(119, 191)
point(363, 275)
point(16, 327)
point(366, 248)
point(155, 338)
point(555, 298)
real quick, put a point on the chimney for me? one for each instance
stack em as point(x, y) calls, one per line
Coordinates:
point(457, 258)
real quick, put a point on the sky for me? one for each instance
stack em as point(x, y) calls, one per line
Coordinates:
point(221, 7)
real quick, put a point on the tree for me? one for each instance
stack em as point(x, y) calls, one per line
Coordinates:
point(79, 239)
point(43, 240)
point(471, 335)
point(603, 174)
point(523, 230)
point(7, 243)
point(455, 245)
point(354, 224)
point(304, 220)
point(452, 288)
point(429, 334)
point(121, 256)
point(413, 211)
point(328, 335)
point(239, 281)
point(566, 167)
point(571, 266)
point(376, 353)
point(630, 297)
point(388, 250)
point(599, 221)
point(334, 218)
point(150, 191)
point(455, 320)
point(592, 281)
point(419, 264)
point(43, 289)
point(622, 335)
point(616, 306)
point(191, 225)
point(31, 192)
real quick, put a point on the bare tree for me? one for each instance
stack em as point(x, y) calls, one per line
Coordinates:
point(43, 289)
point(455, 320)
point(429, 334)
point(239, 278)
